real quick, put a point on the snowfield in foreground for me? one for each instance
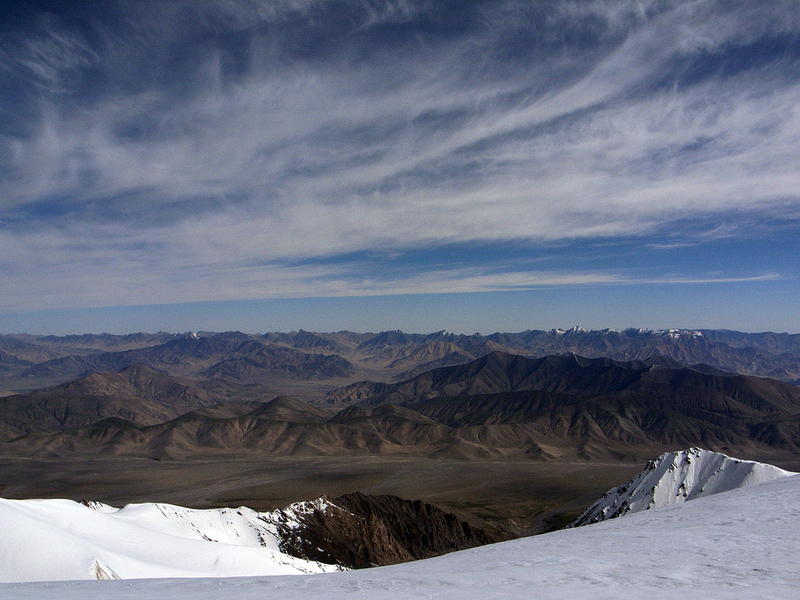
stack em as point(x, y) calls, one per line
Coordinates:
point(739, 544)
point(45, 540)
point(742, 543)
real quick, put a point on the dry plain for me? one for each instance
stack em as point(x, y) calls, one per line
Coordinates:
point(509, 496)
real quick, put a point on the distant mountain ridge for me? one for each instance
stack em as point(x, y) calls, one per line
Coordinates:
point(234, 356)
point(297, 358)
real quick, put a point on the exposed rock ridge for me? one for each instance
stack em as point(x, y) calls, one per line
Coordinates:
point(359, 530)
point(351, 531)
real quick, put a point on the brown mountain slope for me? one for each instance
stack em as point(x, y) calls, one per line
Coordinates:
point(494, 373)
point(137, 394)
point(498, 405)
point(429, 352)
point(282, 427)
point(557, 406)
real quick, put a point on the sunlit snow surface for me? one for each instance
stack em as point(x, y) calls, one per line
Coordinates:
point(738, 538)
point(739, 544)
point(43, 540)
point(676, 477)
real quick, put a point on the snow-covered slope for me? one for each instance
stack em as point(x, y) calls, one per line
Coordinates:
point(743, 544)
point(44, 540)
point(676, 477)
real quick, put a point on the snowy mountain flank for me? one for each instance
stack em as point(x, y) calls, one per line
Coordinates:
point(676, 477)
point(46, 540)
point(61, 539)
point(739, 544)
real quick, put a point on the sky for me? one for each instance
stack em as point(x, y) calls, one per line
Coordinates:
point(355, 164)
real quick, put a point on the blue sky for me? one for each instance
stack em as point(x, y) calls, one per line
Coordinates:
point(364, 165)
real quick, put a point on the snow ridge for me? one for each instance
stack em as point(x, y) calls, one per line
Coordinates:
point(676, 477)
point(740, 545)
point(47, 540)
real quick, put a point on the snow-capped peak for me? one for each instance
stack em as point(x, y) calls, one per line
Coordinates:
point(676, 477)
point(676, 334)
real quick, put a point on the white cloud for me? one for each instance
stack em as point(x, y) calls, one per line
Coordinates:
point(108, 266)
point(298, 159)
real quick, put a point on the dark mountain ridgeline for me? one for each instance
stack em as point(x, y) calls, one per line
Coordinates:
point(395, 338)
point(282, 361)
point(327, 343)
point(770, 342)
point(36, 349)
point(498, 372)
point(7, 359)
point(498, 406)
point(766, 354)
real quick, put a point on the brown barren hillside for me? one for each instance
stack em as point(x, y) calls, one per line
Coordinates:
point(497, 407)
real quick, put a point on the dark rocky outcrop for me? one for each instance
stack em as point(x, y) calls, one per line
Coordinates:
point(359, 530)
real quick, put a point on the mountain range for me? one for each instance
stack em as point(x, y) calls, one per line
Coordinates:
point(136, 394)
point(497, 406)
point(307, 364)
point(257, 418)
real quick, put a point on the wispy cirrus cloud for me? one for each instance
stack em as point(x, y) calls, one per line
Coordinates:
point(131, 273)
point(220, 142)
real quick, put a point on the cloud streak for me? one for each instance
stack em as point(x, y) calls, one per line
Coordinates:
point(221, 142)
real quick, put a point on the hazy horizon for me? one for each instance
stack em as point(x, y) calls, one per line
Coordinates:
point(332, 331)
